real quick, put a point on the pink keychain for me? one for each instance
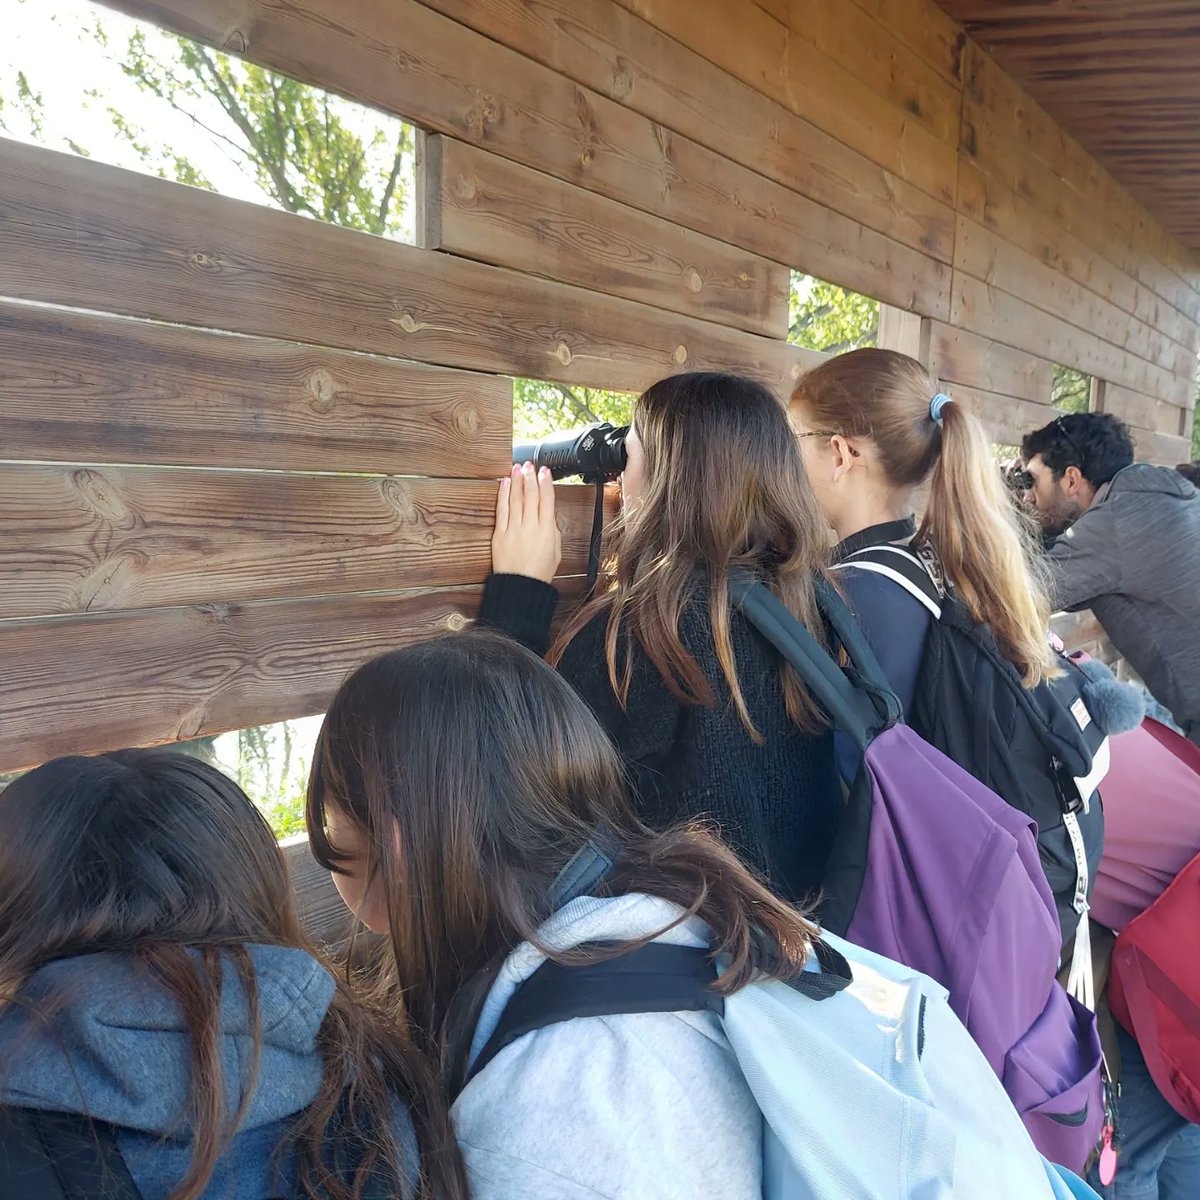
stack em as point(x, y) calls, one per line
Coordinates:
point(1108, 1157)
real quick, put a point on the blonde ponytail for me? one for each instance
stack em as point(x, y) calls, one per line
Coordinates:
point(986, 547)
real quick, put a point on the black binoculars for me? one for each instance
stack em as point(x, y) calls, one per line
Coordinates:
point(596, 453)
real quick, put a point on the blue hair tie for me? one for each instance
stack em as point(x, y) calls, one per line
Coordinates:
point(938, 405)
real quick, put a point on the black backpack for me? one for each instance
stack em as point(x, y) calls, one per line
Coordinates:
point(1029, 745)
point(60, 1156)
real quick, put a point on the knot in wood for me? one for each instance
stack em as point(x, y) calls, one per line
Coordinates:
point(456, 622)
point(324, 390)
point(407, 322)
point(680, 356)
point(563, 354)
point(694, 281)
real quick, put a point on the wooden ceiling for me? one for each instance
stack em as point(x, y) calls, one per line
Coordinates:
point(1122, 76)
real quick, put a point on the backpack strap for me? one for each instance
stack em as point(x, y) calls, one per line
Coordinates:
point(60, 1156)
point(656, 977)
point(903, 568)
point(859, 701)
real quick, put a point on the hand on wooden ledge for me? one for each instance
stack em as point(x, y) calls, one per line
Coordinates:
point(527, 540)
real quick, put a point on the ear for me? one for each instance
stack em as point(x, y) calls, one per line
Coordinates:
point(1071, 480)
point(845, 455)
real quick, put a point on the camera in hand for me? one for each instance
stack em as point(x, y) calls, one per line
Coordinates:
point(1017, 479)
point(596, 453)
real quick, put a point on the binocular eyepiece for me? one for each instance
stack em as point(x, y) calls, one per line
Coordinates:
point(596, 453)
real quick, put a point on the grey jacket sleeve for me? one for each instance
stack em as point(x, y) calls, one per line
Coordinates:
point(1086, 561)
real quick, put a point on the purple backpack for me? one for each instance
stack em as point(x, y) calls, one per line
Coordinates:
point(934, 870)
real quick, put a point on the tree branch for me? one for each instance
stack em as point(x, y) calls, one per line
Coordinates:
point(385, 201)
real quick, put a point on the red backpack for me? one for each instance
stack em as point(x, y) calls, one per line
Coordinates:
point(1154, 988)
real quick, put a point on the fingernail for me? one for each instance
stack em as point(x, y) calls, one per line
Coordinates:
point(544, 473)
point(505, 481)
point(516, 470)
point(527, 468)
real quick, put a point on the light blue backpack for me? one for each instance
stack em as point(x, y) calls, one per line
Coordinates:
point(869, 1085)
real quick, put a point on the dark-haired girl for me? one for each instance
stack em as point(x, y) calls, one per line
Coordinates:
point(707, 719)
point(155, 985)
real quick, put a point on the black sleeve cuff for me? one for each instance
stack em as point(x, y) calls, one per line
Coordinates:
point(521, 607)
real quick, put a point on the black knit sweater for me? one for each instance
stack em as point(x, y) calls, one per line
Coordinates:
point(778, 803)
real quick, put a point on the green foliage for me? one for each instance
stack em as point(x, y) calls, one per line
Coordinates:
point(1070, 390)
point(541, 408)
point(273, 774)
point(290, 136)
point(823, 316)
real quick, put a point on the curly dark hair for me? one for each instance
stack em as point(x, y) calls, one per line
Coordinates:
point(1190, 472)
point(1099, 444)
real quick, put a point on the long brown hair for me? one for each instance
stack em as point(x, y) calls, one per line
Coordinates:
point(157, 856)
point(725, 487)
point(475, 772)
point(985, 545)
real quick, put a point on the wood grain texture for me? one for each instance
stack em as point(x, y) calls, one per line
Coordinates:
point(100, 389)
point(847, 37)
point(611, 50)
point(991, 202)
point(904, 331)
point(756, 48)
point(85, 684)
point(1000, 264)
point(959, 357)
point(1165, 449)
point(323, 913)
point(995, 314)
point(922, 26)
point(497, 211)
point(76, 232)
point(1146, 412)
point(1017, 141)
point(447, 79)
point(1121, 76)
point(90, 539)
point(1007, 419)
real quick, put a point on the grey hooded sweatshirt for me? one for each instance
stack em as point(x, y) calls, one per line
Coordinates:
point(610, 1107)
point(1134, 559)
point(109, 1042)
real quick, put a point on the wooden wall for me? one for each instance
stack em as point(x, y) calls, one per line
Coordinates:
point(245, 450)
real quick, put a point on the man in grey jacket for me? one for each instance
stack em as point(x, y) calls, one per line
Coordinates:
point(1126, 545)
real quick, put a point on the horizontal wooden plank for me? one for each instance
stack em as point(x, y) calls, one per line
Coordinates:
point(1013, 137)
point(88, 539)
point(1135, 408)
point(755, 48)
point(921, 25)
point(995, 314)
point(1098, 98)
point(322, 912)
point(608, 48)
point(76, 232)
point(848, 36)
point(999, 263)
point(82, 388)
point(76, 685)
point(957, 356)
point(447, 79)
point(1007, 419)
point(1166, 449)
point(488, 208)
point(991, 202)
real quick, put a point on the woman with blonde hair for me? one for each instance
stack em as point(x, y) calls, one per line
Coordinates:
point(707, 719)
point(989, 689)
point(873, 430)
